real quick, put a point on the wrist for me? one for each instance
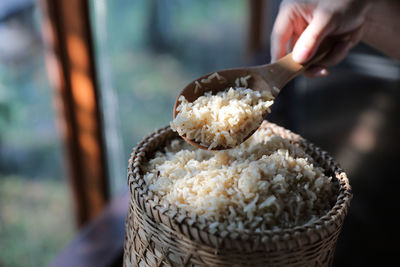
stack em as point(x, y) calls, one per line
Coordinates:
point(381, 27)
point(370, 19)
point(371, 10)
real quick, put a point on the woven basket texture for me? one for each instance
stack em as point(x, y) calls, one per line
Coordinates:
point(160, 234)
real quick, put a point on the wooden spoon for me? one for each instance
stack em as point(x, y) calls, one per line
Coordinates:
point(272, 77)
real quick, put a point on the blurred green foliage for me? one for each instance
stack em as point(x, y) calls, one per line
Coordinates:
point(34, 220)
point(30, 145)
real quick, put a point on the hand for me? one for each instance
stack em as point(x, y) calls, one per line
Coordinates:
point(304, 24)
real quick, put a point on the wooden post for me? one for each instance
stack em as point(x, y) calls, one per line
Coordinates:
point(262, 14)
point(255, 26)
point(71, 69)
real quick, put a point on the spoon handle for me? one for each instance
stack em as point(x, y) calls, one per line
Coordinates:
point(279, 73)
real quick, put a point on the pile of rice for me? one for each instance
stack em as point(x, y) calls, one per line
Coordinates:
point(225, 119)
point(265, 183)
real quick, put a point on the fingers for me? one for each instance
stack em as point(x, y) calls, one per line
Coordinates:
point(316, 71)
point(281, 33)
point(342, 48)
point(293, 40)
point(291, 22)
point(320, 26)
point(337, 54)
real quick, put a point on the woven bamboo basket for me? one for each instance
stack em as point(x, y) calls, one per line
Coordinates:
point(164, 235)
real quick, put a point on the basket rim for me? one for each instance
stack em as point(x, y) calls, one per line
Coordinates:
point(179, 219)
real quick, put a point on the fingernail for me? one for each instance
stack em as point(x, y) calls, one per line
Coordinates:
point(300, 54)
point(321, 72)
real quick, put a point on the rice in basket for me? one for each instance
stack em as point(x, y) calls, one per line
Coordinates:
point(264, 183)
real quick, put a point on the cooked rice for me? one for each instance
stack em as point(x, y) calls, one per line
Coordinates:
point(224, 119)
point(265, 183)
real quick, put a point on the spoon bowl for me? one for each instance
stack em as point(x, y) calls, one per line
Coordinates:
point(256, 82)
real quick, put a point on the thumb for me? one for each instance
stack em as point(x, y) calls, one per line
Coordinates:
point(321, 25)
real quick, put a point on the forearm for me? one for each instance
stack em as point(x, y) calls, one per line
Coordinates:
point(382, 29)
